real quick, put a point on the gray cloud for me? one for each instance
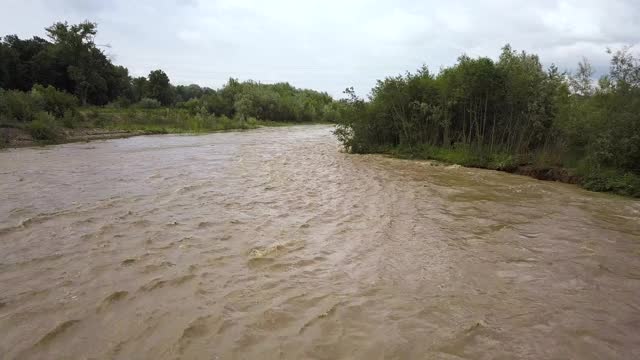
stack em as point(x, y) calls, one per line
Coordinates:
point(330, 44)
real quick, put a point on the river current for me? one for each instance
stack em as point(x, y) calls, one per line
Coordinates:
point(275, 244)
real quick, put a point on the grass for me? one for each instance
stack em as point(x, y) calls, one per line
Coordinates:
point(610, 180)
point(162, 121)
point(168, 120)
point(591, 178)
point(44, 129)
point(459, 154)
point(47, 129)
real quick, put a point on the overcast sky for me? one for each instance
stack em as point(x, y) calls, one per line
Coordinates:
point(329, 45)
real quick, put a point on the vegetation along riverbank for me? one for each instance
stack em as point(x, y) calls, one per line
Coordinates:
point(507, 114)
point(511, 115)
point(65, 88)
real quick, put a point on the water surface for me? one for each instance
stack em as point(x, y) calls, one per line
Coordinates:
point(273, 244)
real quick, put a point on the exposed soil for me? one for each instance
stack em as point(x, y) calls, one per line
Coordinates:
point(14, 137)
point(547, 173)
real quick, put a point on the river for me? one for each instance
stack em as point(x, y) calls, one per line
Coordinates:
point(274, 244)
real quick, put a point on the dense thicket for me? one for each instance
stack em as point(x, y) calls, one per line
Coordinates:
point(507, 113)
point(71, 62)
point(274, 102)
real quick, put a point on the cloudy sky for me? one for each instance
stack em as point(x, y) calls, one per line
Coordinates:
point(329, 45)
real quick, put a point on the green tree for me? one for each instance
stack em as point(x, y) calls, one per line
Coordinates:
point(69, 61)
point(244, 107)
point(159, 87)
point(582, 81)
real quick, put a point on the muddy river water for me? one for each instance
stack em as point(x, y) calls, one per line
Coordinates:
point(274, 244)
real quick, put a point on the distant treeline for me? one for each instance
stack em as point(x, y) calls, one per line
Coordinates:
point(508, 113)
point(71, 68)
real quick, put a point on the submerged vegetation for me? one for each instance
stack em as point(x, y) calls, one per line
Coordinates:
point(50, 86)
point(507, 114)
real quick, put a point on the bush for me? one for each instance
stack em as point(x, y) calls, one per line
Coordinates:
point(148, 103)
point(18, 106)
point(225, 123)
point(502, 161)
point(70, 119)
point(43, 128)
point(250, 123)
point(26, 106)
point(54, 101)
point(194, 106)
point(610, 180)
point(119, 103)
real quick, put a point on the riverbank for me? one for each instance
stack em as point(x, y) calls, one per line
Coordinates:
point(96, 123)
point(599, 180)
point(17, 137)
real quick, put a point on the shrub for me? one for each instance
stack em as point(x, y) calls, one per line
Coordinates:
point(251, 123)
point(194, 106)
point(53, 101)
point(70, 119)
point(611, 180)
point(502, 161)
point(121, 103)
point(101, 120)
point(147, 103)
point(43, 128)
point(18, 106)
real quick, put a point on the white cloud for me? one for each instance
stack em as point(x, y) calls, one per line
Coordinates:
point(190, 36)
point(330, 44)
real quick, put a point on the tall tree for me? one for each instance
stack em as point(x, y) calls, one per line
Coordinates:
point(159, 87)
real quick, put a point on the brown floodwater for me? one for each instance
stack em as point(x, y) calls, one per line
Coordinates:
point(274, 244)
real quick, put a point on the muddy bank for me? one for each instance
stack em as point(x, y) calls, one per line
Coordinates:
point(14, 137)
point(557, 174)
point(547, 174)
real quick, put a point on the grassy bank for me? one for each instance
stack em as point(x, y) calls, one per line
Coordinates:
point(172, 120)
point(162, 120)
point(537, 166)
point(92, 123)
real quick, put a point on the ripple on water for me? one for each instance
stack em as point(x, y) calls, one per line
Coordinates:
point(274, 244)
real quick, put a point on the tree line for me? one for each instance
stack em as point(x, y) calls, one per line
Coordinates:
point(70, 62)
point(507, 113)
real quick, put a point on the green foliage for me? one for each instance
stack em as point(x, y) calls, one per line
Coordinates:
point(244, 106)
point(502, 161)
point(24, 107)
point(477, 102)
point(43, 127)
point(506, 113)
point(611, 180)
point(54, 101)
point(165, 120)
point(147, 103)
point(71, 62)
point(121, 102)
point(17, 106)
point(266, 102)
point(159, 88)
point(193, 91)
point(70, 119)
point(138, 89)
